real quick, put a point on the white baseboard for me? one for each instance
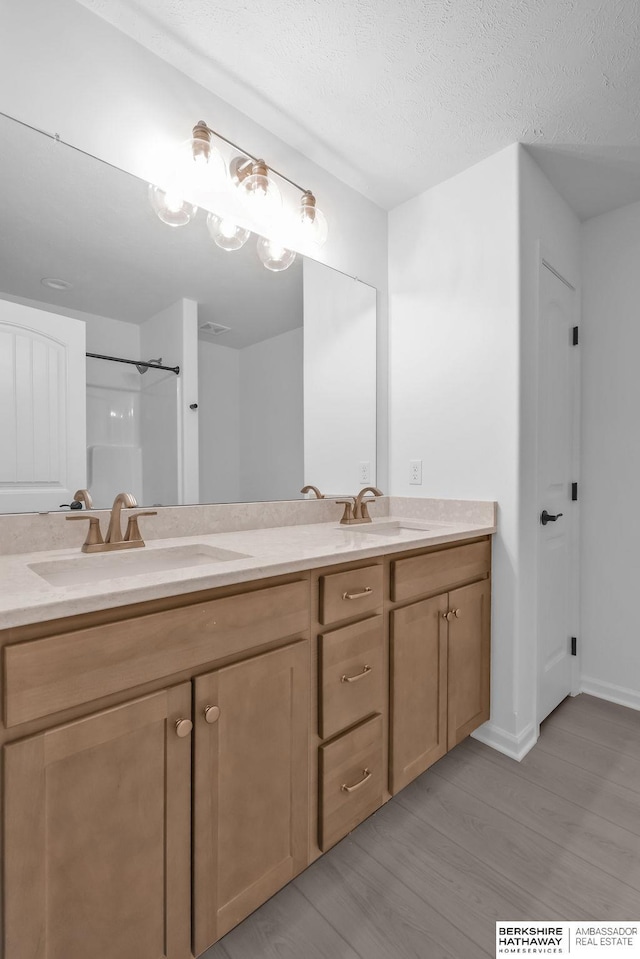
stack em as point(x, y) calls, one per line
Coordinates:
point(610, 692)
point(516, 747)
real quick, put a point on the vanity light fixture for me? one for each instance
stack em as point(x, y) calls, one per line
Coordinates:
point(200, 167)
point(170, 207)
point(199, 164)
point(313, 223)
point(258, 190)
point(225, 233)
point(274, 256)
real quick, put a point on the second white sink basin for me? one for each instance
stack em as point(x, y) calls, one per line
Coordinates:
point(92, 568)
point(392, 528)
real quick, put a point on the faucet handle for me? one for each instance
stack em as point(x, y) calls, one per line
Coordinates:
point(94, 536)
point(133, 530)
point(347, 516)
point(364, 512)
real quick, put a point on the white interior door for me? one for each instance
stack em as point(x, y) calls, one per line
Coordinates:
point(557, 555)
point(43, 458)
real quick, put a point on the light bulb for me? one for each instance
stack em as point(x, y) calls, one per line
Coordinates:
point(226, 233)
point(259, 193)
point(313, 226)
point(170, 207)
point(274, 256)
point(198, 164)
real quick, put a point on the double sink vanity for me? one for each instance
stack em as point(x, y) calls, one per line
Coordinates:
point(188, 726)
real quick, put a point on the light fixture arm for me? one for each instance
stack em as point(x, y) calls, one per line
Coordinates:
point(203, 126)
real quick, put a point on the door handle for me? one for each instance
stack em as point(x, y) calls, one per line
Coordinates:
point(548, 517)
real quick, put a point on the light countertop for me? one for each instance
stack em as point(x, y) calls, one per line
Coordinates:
point(25, 597)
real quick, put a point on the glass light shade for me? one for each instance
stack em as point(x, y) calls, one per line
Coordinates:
point(170, 207)
point(226, 233)
point(313, 226)
point(199, 167)
point(261, 196)
point(274, 256)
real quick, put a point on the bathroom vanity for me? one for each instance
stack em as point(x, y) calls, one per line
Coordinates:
point(171, 762)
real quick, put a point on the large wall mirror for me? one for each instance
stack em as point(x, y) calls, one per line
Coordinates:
point(277, 371)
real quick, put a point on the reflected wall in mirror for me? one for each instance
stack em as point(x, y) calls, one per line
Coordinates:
point(276, 385)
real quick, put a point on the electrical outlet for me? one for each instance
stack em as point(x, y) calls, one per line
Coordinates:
point(415, 472)
point(365, 472)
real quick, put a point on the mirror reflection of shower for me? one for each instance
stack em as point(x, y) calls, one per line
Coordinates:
point(132, 421)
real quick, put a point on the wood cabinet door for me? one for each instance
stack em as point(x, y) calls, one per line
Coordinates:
point(251, 809)
point(469, 660)
point(97, 827)
point(418, 705)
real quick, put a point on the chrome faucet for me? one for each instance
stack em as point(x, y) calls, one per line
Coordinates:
point(355, 508)
point(94, 543)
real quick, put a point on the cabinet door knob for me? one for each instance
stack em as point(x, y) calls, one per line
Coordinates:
point(211, 714)
point(183, 727)
point(457, 613)
point(448, 616)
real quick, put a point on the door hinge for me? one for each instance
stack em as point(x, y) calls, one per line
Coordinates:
point(574, 339)
point(574, 492)
point(574, 645)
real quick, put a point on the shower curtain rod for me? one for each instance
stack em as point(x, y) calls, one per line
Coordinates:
point(119, 359)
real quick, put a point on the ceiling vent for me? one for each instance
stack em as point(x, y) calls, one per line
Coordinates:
point(213, 329)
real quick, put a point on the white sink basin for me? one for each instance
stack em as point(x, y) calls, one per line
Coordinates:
point(392, 528)
point(92, 568)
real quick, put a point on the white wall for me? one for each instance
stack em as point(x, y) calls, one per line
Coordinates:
point(454, 347)
point(610, 344)
point(464, 262)
point(219, 420)
point(271, 419)
point(65, 70)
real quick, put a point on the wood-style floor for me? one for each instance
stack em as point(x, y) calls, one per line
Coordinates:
point(476, 838)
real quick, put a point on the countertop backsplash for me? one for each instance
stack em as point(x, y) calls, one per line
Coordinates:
point(34, 532)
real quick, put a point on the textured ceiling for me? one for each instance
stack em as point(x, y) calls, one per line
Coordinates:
point(394, 96)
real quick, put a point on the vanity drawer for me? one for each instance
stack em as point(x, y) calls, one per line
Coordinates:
point(439, 570)
point(351, 781)
point(344, 595)
point(350, 675)
point(44, 676)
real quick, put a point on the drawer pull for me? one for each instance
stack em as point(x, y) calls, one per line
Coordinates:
point(358, 594)
point(354, 679)
point(366, 774)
